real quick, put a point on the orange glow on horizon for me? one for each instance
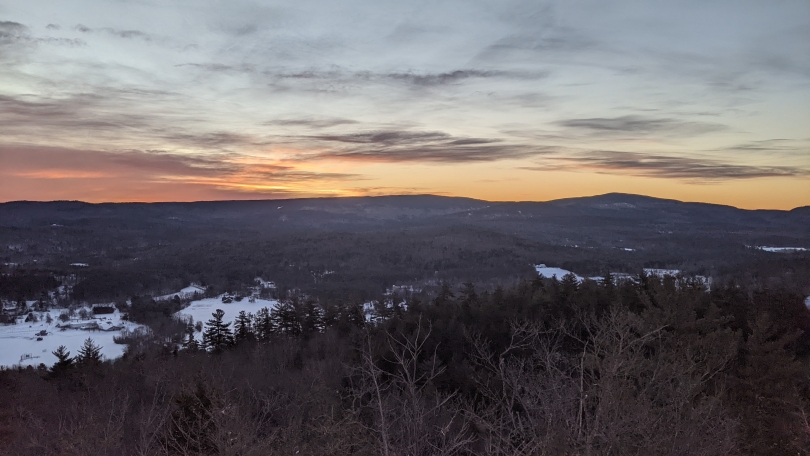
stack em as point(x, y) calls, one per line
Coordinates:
point(47, 174)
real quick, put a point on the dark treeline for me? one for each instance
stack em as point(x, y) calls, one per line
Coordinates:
point(657, 367)
point(26, 284)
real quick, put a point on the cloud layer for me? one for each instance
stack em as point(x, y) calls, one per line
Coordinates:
point(697, 170)
point(270, 96)
point(115, 175)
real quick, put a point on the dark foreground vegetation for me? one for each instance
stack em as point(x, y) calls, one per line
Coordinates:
point(658, 367)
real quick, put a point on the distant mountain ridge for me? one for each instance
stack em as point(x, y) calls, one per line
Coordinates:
point(602, 218)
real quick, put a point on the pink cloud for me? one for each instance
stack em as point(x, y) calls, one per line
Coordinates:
point(51, 173)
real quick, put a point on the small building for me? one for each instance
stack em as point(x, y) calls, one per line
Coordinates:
point(101, 309)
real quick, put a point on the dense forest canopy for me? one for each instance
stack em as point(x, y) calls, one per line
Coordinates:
point(545, 367)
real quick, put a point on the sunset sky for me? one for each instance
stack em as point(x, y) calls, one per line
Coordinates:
point(121, 100)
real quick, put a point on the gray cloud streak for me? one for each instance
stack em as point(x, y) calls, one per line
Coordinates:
point(671, 167)
point(779, 147)
point(126, 34)
point(409, 146)
point(635, 124)
point(312, 123)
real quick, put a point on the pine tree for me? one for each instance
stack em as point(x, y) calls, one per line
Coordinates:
point(569, 284)
point(264, 325)
point(64, 361)
point(445, 295)
point(243, 327)
point(22, 307)
point(191, 343)
point(286, 318)
point(312, 320)
point(217, 335)
point(351, 316)
point(607, 281)
point(43, 304)
point(89, 354)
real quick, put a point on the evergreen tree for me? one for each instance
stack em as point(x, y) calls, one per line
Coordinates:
point(217, 335)
point(22, 307)
point(351, 316)
point(191, 343)
point(312, 320)
point(569, 284)
point(286, 318)
point(330, 314)
point(607, 281)
point(243, 327)
point(89, 354)
point(43, 304)
point(264, 325)
point(445, 295)
point(64, 362)
point(470, 296)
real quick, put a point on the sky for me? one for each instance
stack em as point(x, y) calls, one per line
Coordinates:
point(121, 100)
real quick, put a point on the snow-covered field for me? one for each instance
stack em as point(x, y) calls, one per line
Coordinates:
point(187, 292)
point(783, 249)
point(19, 344)
point(201, 310)
point(548, 272)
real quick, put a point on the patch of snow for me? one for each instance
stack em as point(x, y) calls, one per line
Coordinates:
point(369, 312)
point(783, 249)
point(617, 276)
point(19, 344)
point(807, 301)
point(80, 265)
point(187, 292)
point(549, 272)
point(201, 310)
point(264, 283)
point(661, 272)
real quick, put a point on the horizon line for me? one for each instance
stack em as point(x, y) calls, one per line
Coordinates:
point(403, 195)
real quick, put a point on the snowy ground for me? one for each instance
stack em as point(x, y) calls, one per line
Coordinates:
point(548, 272)
point(187, 292)
point(783, 249)
point(201, 310)
point(19, 344)
point(661, 272)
